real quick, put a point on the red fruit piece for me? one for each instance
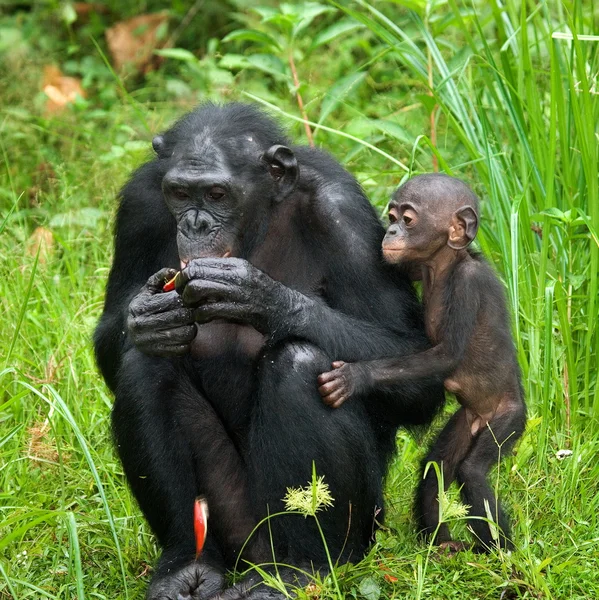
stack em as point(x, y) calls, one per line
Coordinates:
point(200, 523)
point(169, 286)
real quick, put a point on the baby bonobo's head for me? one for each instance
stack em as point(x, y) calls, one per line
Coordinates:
point(428, 213)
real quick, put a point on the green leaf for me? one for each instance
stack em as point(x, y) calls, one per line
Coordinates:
point(251, 35)
point(337, 93)
point(307, 13)
point(370, 589)
point(84, 217)
point(177, 54)
point(234, 62)
point(326, 36)
point(393, 130)
point(270, 64)
point(427, 101)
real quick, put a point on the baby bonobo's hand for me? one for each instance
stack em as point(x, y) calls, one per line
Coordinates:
point(338, 385)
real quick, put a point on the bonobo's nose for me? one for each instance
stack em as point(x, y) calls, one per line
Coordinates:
point(195, 222)
point(393, 231)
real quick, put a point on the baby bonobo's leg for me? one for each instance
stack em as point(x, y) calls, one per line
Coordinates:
point(492, 443)
point(344, 381)
point(449, 449)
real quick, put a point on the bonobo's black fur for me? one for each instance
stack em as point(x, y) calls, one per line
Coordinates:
point(215, 383)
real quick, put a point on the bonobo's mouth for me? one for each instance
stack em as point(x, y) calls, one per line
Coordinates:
point(184, 263)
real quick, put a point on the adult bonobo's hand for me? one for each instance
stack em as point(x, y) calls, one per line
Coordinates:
point(158, 322)
point(234, 290)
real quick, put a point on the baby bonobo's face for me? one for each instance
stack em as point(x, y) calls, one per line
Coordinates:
point(428, 213)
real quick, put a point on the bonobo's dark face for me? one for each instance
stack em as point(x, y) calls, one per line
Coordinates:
point(428, 213)
point(219, 189)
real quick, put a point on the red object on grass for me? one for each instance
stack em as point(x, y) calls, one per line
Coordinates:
point(200, 523)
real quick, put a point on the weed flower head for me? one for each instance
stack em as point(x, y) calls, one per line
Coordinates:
point(310, 499)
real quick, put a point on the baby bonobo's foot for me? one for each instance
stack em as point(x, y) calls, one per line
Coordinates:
point(338, 385)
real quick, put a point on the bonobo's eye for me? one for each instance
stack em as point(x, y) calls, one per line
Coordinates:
point(180, 193)
point(409, 217)
point(392, 218)
point(215, 193)
point(276, 171)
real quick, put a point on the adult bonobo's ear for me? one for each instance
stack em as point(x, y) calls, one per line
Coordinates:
point(158, 144)
point(463, 228)
point(283, 168)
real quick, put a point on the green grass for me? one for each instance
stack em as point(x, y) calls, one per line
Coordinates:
point(515, 111)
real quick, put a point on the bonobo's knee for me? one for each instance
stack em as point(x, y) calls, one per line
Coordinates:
point(297, 359)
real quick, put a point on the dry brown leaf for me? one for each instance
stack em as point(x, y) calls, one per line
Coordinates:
point(84, 9)
point(133, 42)
point(43, 179)
point(43, 239)
point(39, 447)
point(60, 89)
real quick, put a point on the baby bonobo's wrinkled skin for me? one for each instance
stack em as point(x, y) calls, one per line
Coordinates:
point(433, 219)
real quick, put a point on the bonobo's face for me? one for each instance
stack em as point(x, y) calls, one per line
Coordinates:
point(428, 213)
point(413, 233)
point(219, 189)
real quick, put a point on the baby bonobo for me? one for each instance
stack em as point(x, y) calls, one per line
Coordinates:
point(433, 219)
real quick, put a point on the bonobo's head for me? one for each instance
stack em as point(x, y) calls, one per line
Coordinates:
point(225, 167)
point(427, 213)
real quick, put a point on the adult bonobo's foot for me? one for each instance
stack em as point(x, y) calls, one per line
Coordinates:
point(195, 581)
point(252, 587)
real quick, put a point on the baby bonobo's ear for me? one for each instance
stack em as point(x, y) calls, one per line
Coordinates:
point(463, 228)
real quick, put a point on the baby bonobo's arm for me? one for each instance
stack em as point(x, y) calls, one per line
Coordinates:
point(457, 326)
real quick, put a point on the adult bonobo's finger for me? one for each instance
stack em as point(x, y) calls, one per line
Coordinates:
point(156, 282)
point(206, 292)
point(230, 311)
point(224, 270)
point(138, 325)
point(147, 303)
point(337, 364)
point(168, 337)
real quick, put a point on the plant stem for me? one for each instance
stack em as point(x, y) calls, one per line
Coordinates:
point(300, 101)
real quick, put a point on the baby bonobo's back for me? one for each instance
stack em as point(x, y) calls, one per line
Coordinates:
point(433, 219)
point(486, 378)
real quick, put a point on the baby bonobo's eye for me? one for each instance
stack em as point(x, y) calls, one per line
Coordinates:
point(407, 219)
point(392, 217)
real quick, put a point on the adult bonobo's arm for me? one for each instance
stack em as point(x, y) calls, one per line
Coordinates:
point(144, 244)
point(344, 319)
point(235, 290)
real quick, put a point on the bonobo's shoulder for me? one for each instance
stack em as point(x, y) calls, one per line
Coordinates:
point(477, 271)
point(146, 177)
point(329, 182)
point(141, 202)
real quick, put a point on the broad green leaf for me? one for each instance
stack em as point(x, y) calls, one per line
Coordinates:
point(334, 31)
point(270, 64)
point(307, 13)
point(338, 92)
point(251, 35)
point(370, 589)
point(177, 54)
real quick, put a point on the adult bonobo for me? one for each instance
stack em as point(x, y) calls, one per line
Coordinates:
point(215, 382)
